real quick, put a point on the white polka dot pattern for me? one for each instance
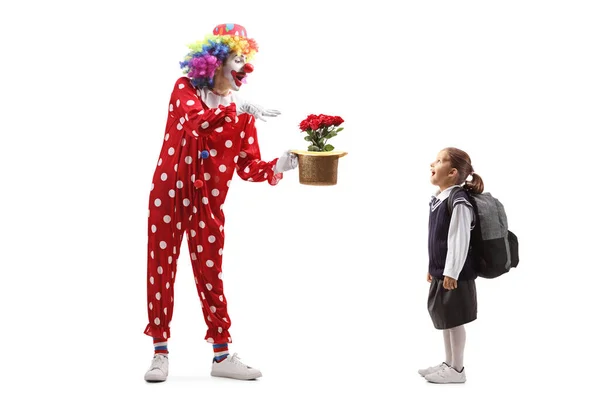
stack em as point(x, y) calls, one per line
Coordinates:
point(187, 196)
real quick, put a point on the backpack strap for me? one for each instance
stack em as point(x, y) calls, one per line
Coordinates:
point(472, 201)
point(451, 199)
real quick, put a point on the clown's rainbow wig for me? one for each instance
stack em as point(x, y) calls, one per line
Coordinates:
point(209, 54)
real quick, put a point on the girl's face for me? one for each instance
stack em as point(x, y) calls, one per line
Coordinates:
point(442, 173)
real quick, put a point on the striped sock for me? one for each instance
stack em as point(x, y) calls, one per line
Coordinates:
point(160, 346)
point(221, 351)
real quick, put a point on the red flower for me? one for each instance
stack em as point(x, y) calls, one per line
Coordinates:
point(315, 122)
point(304, 125)
point(319, 129)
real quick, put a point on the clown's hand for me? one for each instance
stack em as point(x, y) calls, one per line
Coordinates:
point(286, 162)
point(255, 110)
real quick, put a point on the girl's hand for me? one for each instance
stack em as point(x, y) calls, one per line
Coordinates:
point(428, 277)
point(450, 283)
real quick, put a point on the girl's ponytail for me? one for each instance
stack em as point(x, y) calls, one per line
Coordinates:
point(475, 185)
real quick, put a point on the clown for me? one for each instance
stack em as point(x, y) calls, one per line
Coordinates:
point(209, 135)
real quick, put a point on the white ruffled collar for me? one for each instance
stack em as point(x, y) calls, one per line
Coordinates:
point(213, 100)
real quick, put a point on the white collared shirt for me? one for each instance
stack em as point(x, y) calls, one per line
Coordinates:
point(459, 235)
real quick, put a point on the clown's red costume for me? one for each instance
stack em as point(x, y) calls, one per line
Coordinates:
point(187, 195)
point(208, 136)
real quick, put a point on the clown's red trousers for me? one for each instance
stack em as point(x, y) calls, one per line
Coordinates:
point(202, 148)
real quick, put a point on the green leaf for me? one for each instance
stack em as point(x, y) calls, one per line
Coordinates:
point(329, 147)
point(321, 141)
point(330, 135)
point(313, 148)
point(308, 138)
point(339, 129)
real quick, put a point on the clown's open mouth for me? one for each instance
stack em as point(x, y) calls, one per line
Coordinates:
point(238, 77)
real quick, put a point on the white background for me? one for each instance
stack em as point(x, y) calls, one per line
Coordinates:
point(326, 285)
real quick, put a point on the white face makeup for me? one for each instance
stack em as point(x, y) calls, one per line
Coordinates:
point(235, 70)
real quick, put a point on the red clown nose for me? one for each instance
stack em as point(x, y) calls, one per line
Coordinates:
point(248, 68)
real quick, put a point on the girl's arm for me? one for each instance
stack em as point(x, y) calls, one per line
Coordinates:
point(459, 236)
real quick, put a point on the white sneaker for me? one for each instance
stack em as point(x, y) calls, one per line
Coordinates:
point(431, 370)
point(159, 370)
point(447, 375)
point(232, 367)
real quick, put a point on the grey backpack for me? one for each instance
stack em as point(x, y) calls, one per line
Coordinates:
point(495, 248)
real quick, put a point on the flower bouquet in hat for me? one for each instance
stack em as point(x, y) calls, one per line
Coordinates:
point(318, 164)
